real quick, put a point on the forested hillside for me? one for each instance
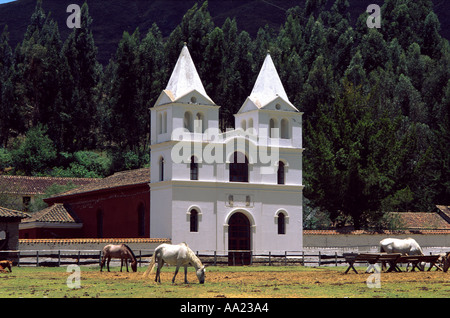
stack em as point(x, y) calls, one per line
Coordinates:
point(376, 102)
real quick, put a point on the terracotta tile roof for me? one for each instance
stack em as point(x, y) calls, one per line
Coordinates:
point(8, 213)
point(421, 221)
point(385, 232)
point(119, 179)
point(94, 240)
point(56, 213)
point(36, 185)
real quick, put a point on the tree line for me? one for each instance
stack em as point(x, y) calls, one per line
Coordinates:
point(376, 102)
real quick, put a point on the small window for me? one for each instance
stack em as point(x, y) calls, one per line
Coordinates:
point(285, 129)
point(164, 122)
point(188, 121)
point(194, 168)
point(194, 221)
point(273, 128)
point(161, 169)
point(26, 201)
point(281, 223)
point(280, 173)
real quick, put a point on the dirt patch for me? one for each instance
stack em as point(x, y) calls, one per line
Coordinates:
point(316, 276)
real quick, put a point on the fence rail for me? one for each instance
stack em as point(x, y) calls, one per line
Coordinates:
point(58, 258)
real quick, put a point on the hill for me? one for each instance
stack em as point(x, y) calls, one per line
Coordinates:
point(111, 18)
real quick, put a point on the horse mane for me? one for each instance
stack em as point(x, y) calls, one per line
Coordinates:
point(194, 259)
point(131, 251)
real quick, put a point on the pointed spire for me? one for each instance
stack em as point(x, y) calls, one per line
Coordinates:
point(268, 85)
point(185, 78)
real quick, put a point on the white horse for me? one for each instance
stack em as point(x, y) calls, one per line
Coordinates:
point(179, 255)
point(406, 246)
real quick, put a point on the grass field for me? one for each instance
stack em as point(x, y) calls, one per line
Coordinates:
point(222, 282)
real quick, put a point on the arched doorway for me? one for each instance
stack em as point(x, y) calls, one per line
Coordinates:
point(239, 240)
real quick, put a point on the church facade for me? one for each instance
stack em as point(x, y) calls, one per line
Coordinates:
point(235, 190)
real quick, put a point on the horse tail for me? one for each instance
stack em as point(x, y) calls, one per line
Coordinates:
point(151, 266)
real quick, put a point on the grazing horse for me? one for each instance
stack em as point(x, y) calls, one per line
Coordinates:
point(406, 246)
point(5, 265)
point(179, 255)
point(121, 251)
point(446, 262)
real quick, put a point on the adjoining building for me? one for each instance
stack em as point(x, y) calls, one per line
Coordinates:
point(113, 207)
point(9, 228)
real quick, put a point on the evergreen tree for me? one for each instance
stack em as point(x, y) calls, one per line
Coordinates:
point(6, 89)
point(81, 54)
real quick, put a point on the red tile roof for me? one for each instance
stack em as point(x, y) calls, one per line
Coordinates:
point(8, 213)
point(119, 179)
point(36, 185)
point(56, 213)
point(421, 221)
point(94, 240)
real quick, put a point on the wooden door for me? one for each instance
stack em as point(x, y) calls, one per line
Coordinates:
point(239, 241)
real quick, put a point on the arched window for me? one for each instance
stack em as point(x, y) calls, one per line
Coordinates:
point(239, 168)
point(188, 121)
point(281, 223)
point(194, 221)
point(99, 223)
point(273, 128)
point(165, 122)
point(200, 125)
point(160, 124)
point(161, 169)
point(141, 220)
point(280, 173)
point(194, 168)
point(285, 129)
point(250, 123)
point(244, 125)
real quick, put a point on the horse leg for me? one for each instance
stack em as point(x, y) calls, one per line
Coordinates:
point(158, 271)
point(102, 263)
point(126, 263)
point(176, 272)
point(121, 264)
point(107, 263)
point(185, 275)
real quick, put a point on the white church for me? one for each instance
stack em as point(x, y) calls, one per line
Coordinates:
point(235, 190)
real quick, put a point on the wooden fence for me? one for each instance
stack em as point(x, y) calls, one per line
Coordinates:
point(56, 258)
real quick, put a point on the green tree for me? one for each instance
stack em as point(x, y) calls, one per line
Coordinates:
point(36, 153)
point(81, 116)
point(6, 89)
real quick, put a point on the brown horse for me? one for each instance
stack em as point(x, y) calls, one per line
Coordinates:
point(446, 262)
point(5, 265)
point(121, 251)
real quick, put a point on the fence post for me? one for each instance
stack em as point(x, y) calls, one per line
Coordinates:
point(320, 259)
point(215, 257)
point(18, 259)
point(335, 257)
point(285, 258)
point(303, 258)
point(270, 258)
point(37, 258)
point(140, 258)
point(78, 261)
point(251, 257)
point(100, 258)
point(59, 258)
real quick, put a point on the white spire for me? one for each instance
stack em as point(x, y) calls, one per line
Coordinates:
point(268, 85)
point(184, 78)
